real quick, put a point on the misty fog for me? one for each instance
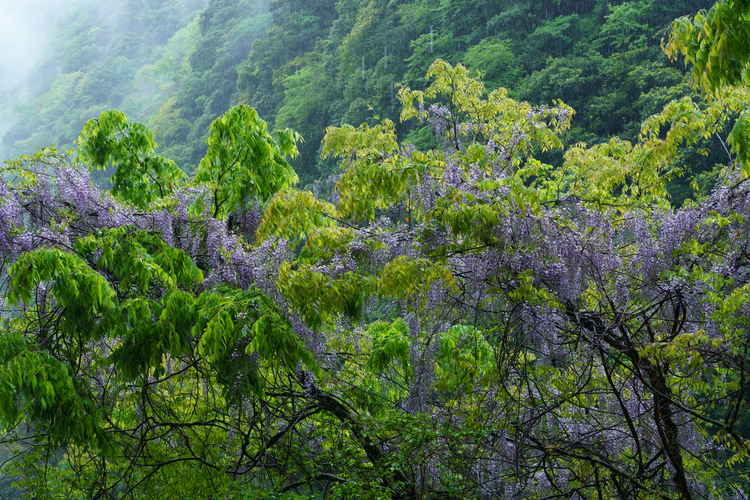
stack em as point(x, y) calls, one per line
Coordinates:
point(25, 26)
point(49, 44)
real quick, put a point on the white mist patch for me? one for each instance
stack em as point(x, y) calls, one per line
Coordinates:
point(25, 27)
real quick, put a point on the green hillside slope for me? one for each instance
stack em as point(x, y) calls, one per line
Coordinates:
point(314, 63)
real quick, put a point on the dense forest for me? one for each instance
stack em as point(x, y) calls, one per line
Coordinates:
point(177, 66)
point(357, 249)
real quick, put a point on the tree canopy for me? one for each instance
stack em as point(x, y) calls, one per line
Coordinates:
point(458, 318)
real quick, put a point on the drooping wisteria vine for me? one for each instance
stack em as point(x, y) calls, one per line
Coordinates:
point(463, 322)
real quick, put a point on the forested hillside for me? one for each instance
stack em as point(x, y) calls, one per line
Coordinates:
point(309, 64)
point(141, 56)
